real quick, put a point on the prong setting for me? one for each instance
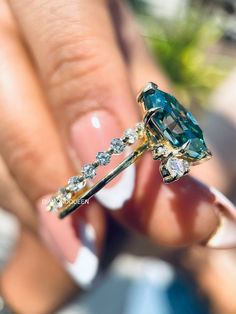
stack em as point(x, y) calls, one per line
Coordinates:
point(160, 151)
point(150, 86)
point(148, 115)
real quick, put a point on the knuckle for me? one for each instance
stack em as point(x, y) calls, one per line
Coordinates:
point(72, 59)
point(73, 65)
point(25, 154)
point(6, 20)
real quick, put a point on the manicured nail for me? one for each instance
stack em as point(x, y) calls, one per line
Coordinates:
point(93, 133)
point(225, 235)
point(85, 266)
point(73, 242)
point(115, 196)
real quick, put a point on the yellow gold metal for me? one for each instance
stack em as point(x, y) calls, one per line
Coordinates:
point(174, 162)
point(87, 194)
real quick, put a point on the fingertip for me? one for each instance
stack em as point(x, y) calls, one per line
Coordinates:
point(184, 214)
point(225, 235)
point(77, 240)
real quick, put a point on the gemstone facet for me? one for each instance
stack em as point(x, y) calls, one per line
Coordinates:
point(171, 121)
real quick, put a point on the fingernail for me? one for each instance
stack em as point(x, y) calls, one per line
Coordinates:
point(93, 133)
point(73, 240)
point(85, 266)
point(115, 196)
point(225, 235)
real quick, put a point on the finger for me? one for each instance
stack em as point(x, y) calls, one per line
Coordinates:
point(92, 111)
point(63, 60)
point(34, 281)
point(32, 149)
point(13, 200)
point(19, 90)
point(142, 62)
point(74, 56)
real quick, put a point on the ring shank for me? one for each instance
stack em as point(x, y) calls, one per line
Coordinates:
point(138, 152)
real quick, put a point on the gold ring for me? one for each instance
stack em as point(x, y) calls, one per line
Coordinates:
point(168, 130)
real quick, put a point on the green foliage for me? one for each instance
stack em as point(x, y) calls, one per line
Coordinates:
point(184, 46)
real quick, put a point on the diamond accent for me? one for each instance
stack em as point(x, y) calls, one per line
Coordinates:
point(131, 136)
point(76, 183)
point(103, 158)
point(65, 195)
point(160, 151)
point(117, 145)
point(58, 201)
point(52, 205)
point(89, 171)
point(140, 129)
point(177, 167)
point(55, 203)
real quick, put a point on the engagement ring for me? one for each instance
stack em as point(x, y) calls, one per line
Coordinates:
point(168, 130)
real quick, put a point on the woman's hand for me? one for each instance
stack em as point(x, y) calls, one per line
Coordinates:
point(69, 71)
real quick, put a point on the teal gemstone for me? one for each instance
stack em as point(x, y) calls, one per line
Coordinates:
point(173, 122)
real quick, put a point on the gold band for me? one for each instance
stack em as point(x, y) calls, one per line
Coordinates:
point(138, 152)
point(168, 130)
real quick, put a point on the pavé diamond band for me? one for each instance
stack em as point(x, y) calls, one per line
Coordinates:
point(168, 130)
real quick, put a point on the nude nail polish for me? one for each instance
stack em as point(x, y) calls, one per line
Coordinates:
point(93, 133)
point(73, 241)
point(85, 266)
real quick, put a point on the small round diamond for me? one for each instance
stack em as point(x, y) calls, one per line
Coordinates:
point(176, 166)
point(89, 171)
point(131, 136)
point(75, 183)
point(117, 145)
point(140, 129)
point(55, 203)
point(103, 158)
point(186, 165)
point(162, 150)
point(52, 205)
point(65, 195)
point(58, 201)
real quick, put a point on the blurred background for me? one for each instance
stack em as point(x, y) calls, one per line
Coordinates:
point(195, 44)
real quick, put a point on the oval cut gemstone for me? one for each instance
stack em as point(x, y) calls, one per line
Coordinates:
point(174, 123)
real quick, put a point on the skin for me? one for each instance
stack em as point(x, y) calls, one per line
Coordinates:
point(48, 47)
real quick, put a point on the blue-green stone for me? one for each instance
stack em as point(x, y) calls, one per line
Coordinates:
point(174, 123)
